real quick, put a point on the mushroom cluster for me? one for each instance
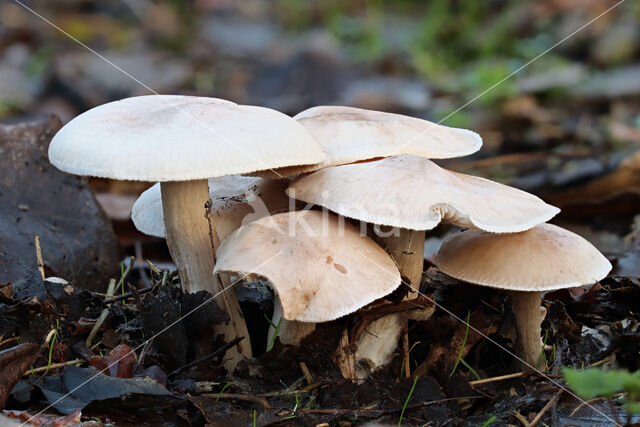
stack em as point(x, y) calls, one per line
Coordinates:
point(227, 179)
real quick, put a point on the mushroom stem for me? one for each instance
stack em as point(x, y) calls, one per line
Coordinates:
point(407, 249)
point(526, 312)
point(290, 331)
point(381, 338)
point(193, 244)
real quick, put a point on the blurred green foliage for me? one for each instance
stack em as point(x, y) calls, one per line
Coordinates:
point(460, 48)
point(594, 382)
point(463, 45)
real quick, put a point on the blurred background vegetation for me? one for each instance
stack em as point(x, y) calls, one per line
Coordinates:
point(421, 57)
point(568, 120)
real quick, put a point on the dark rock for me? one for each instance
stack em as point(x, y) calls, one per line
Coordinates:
point(36, 199)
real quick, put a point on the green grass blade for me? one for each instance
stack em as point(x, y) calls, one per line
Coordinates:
point(406, 402)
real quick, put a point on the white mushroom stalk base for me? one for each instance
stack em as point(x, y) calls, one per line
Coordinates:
point(526, 313)
point(380, 340)
point(192, 241)
point(290, 332)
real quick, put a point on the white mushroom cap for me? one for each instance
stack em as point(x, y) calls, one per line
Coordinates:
point(350, 135)
point(413, 192)
point(179, 138)
point(544, 258)
point(235, 200)
point(320, 269)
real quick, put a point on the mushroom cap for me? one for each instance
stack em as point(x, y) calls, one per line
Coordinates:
point(351, 134)
point(319, 267)
point(544, 258)
point(235, 200)
point(413, 192)
point(179, 138)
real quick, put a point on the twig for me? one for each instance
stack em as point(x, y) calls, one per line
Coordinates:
point(125, 296)
point(53, 366)
point(379, 412)
point(600, 362)
point(546, 407)
point(499, 378)
point(103, 316)
point(136, 297)
point(8, 340)
point(143, 353)
point(306, 389)
point(221, 350)
point(518, 416)
point(589, 402)
point(164, 277)
point(405, 350)
point(243, 397)
point(306, 372)
point(39, 257)
point(340, 411)
point(152, 268)
point(139, 262)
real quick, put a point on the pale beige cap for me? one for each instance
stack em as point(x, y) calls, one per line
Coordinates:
point(319, 269)
point(544, 258)
point(413, 192)
point(235, 200)
point(350, 134)
point(180, 138)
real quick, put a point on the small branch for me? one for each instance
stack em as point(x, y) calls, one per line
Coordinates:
point(139, 264)
point(110, 291)
point(549, 404)
point(590, 402)
point(499, 378)
point(103, 316)
point(143, 353)
point(353, 412)
point(39, 257)
point(8, 340)
point(53, 366)
point(242, 397)
point(405, 351)
point(518, 416)
point(126, 295)
point(380, 412)
point(306, 372)
point(306, 389)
